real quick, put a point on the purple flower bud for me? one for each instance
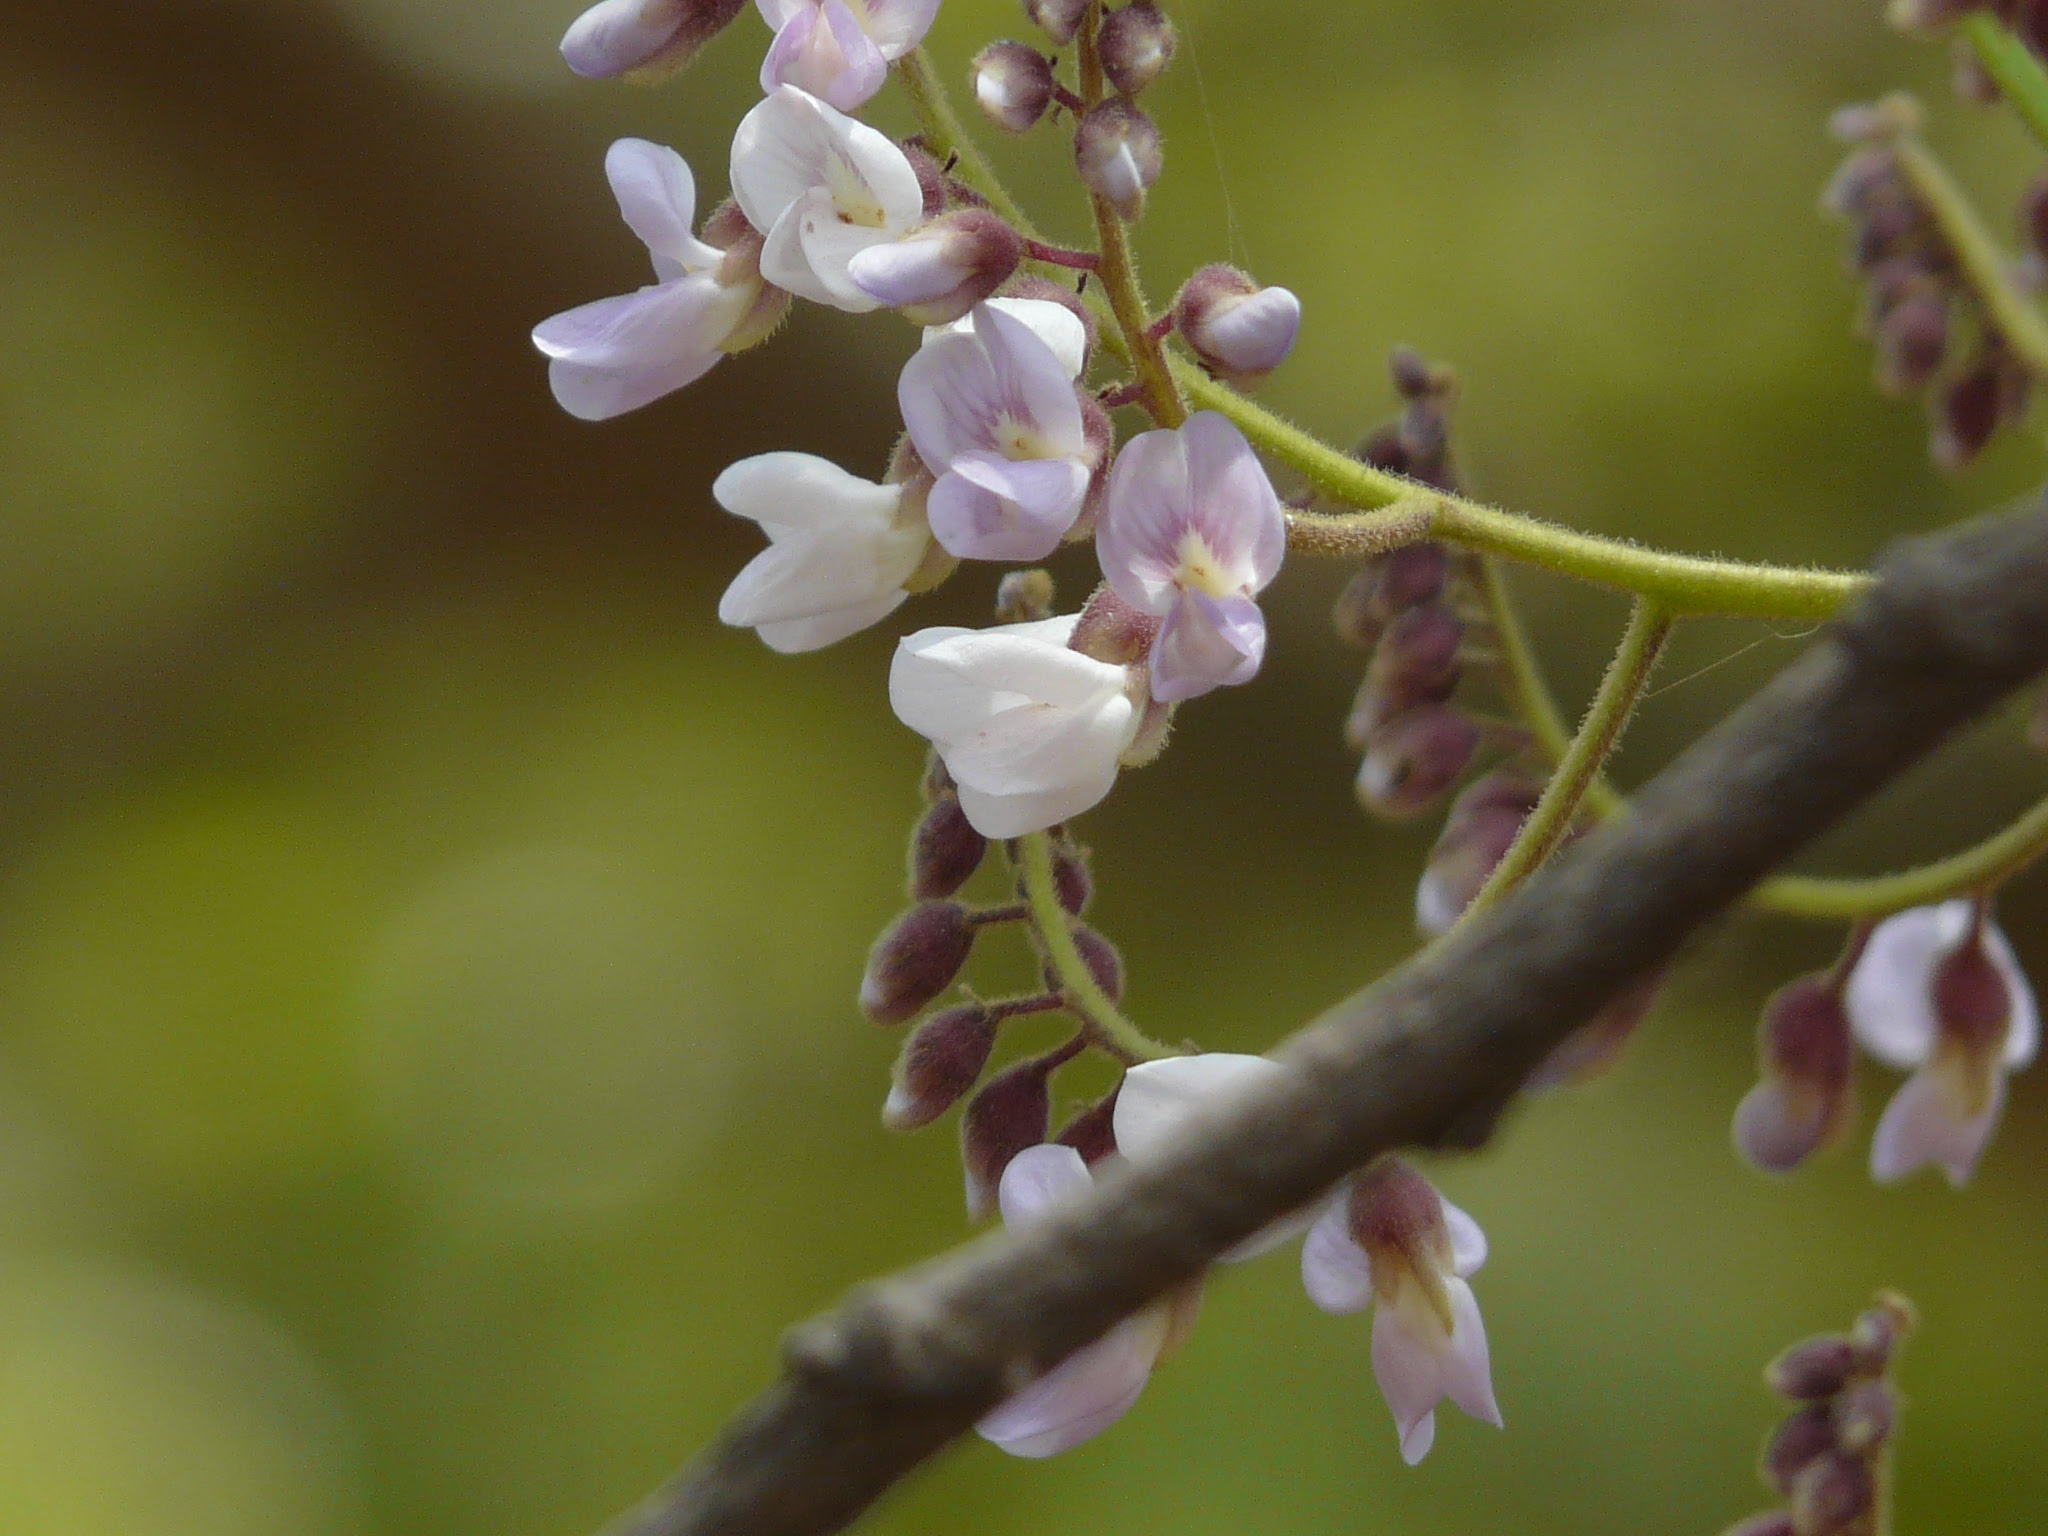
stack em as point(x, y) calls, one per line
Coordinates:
point(1013, 84)
point(1879, 1331)
point(1412, 761)
point(942, 1059)
point(1413, 377)
point(1070, 878)
point(1416, 662)
point(1390, 585)
point(1116, 150)
point(936, 274)
point(945, 851)
point(1814, 1368)
point(1240, 331)
point(1912, 341)
point(1858, 182)
point(1102, 960)
point(643, 39)
point(1829, 1494)
point(1057, 19)
point(1012, 1111)
point(931, 176)
point(1024, 597)
point(1806, 1060)
point(1796, 1444)
point(1136, 45)
point(914, 960)
point(1113, 630)
point(1092, 1132)
point(1381, 448)
point(1772, 1522)
point(1864, 1417)
point(1477, 834)
point(938, 782)
point(1967, 411)
point(1972, 1004)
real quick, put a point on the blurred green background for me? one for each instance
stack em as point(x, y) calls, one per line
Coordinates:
point(429, 1074)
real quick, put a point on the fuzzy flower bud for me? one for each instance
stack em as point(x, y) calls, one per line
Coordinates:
point(1416, 662)
point(1864, 1415)
point(1092, 1132)
point(1071, 881)
point(1013, 85)
point(1136, 45)
point(1240, 331)
point(1012, 1111)
point(945, 851)
point(1057, 19)
point(643, 40)
point(1912, 341)
point(1102, 960)
point(1117, 152)
point(1802, 1439)
point(1831, 1493)
point(1024, 597)
point(941, 1060)
point(1477, 834)
point(1412, 761)
point(914, 960)
point(1814, 1369)
point(936, 274)
point(1387, 586)
point(1805, 1095)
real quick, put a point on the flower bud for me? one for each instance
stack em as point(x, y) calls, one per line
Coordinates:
point(1477, 834)
point(1136, 44)
point(1864, 1416)
point(942, 1059)
point(1966, 412)
point(1116, 150)
point(1013, 84)
point(1412, 761)
point(1057, 19)
point(1912, 340)
point(1972, 1004)
point(1012, 1111)
point(1815, 1368)
point(1092, 1132)
point(643, 40)
point(1831, 1492)
point(936, 274)
point(1024, 597)
point(1112, 630)
point(945, 851)
point(1879, 1331)
point(1102, 960)
point(914, 960)
point(1805, 1093)
point(1416, 662)
point(1071, 880)
point(1389, 585)
point(931, 176)
point(727, 231)
point(1413, 377)
point(1796, 1444)
point(1240, 331)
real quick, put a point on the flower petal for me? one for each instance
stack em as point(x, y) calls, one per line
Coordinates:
point(819, 572)
point(1468, 1242)
point(897, 26)
point(1035, 748)
point(1335, 1271)
point(1031, 380)
point(1146, 510)
point(1890, 993)
point(1410, 1374)
point(1235, 508)
point(1038, 1179)
point(1468, 1374)
point(1207, 643)
point(781, 150)
point(615, 36)
point(1922, 1125)
point(974, 523)
point(816, 631)
point(801, 490)
point(1052, 322)
point(2023, 1034)
point(1015, 815)
point(1082, 1395)
point(617, 354)
point(1159, 1099)
point(658, 199)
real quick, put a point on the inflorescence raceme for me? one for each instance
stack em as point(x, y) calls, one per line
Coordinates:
point(1010, 450)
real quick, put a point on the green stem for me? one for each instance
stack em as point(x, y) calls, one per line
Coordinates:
point(2012, 64)
point(1992, 861)
point(1077, 983)
point(1117, 273)
point(1649, 626)
point(1985, 264)
point(946, 136)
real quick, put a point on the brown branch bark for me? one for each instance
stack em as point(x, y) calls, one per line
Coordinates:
point(1430, 1055)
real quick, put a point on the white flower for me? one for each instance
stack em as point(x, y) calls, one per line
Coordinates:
point(1030, 730)
point(1394, 1239)
point(822, 188)
point(840, 50)
point(617, 354)
point(840, 549)
point(643, 40)
point(993, 412)
point(1938, 992)
point(1191, 532)
point(1096, 1385)
point(1053, 323)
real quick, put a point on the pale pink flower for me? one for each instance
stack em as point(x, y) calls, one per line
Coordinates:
point(1191, 531)
point(1392, 1238)
point(643, 39)
point(840, 50)
point(1938, 992)
point(992, 410)
point(618, 354)
point(821, 188)
point(1096, 1385)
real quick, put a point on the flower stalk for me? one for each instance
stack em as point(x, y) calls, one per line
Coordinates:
point(1116, 1034)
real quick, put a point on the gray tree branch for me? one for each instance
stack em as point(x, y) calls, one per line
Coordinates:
point(1429, 1056)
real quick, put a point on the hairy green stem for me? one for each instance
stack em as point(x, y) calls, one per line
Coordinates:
point(1986, 266)
point(2012, 64)
point(1077, 983)
point(947, 138)
point(1649, 626)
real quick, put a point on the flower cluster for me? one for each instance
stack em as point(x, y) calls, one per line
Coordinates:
point(1008, 451)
